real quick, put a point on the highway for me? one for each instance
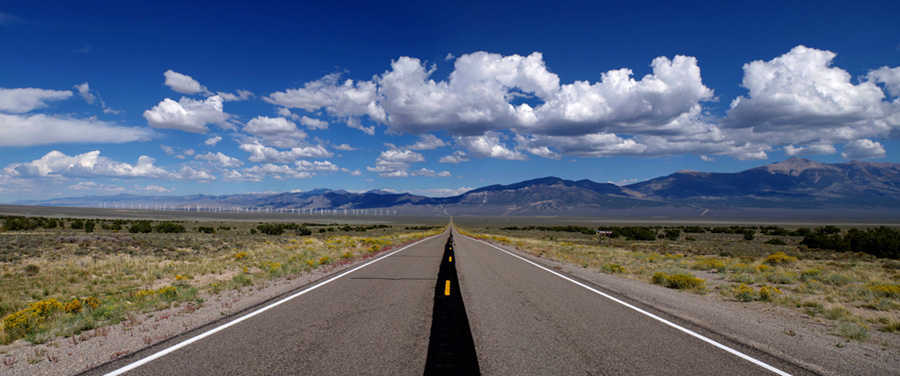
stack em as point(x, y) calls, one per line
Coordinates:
point(522, 320)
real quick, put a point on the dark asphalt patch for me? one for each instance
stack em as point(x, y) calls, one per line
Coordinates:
point(451, 350)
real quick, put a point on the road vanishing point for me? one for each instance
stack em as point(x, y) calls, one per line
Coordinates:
point(450, 305)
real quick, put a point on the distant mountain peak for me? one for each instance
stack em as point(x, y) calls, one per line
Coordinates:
point(794, 166)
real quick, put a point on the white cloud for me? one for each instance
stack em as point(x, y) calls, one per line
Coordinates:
point(187, 114)
point(488, 146)
point(395, 162)
point(183, 83)
point(279, 132)
point(313, 123)
point(241, 95)
point(316, 166)
point(348, 100)
point(27, 99)
point(351, 172)
point(167, 149)
point(212, 141)
point(799, 97)
point(191, 174)
point(401, 156)
point(705, 158)
point(458, 156)
point(427, 142)
point(85, 91)
point(220, 159)
point(261, 153)
point(443, 192)
point(591, 145)
point(158, 189)
point(91, 164)
point(40, 129)
point(356, 124)
point(431, 173)
point(820, 149)
point(863, 149)
point(478, 97)
point(275, 171)
point(343, 147)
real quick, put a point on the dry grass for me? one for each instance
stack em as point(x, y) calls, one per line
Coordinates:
point(855, 291)
point(145, 272)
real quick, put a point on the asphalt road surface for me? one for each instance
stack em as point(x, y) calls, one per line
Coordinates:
point(523, 320)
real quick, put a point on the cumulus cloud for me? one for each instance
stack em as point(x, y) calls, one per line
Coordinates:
point(23, 100)
point(313, 123)
point(343, 147)
point(591, 145)
point(427, 142)
point(279, 132)
point(40, 129)
point(158, 189)
point(458, 156)
point(820, 149)
point(85, 91)
point(351, 172)
point(343, 99)
point(800, 97)
point(220, 159)
point(261, 153)
point(212, 141)
point(395, 163)
point(431, 173)
point(316, 166)
point(91, 164)
point(300, 170)
point(863, 149)
point(488, 146)
point(241, 95)
point(183, 83)
point(443, 192)
point(187, 114)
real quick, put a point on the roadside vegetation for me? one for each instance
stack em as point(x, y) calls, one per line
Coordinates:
point(848, 278)
point(61, 277)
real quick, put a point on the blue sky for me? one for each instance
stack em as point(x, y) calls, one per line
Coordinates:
point(434, 99)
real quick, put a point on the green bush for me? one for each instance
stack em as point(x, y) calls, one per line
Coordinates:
point(206, 230)
point(271, 229)
point(140, 227)
point(776, 241)
point(168, 228)
point(89, 226)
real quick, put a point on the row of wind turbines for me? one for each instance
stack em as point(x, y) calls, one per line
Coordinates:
point(238, 209)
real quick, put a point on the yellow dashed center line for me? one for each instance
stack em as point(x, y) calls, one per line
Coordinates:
point(451, 259)
point(447, 288)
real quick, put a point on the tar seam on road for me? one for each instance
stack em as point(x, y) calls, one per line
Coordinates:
point(451, 349)
point(249, 315)
point(648, 314)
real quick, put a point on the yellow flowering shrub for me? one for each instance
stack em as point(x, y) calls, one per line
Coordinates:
point(74, 306)
point(780, 258)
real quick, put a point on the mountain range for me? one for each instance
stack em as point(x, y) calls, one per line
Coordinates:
point(793, 188)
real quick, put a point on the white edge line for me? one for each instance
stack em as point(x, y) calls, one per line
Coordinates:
point(655, 317)
point(251, 314)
